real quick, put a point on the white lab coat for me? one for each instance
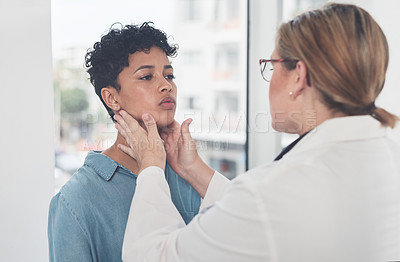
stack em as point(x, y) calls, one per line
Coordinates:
point(334, 197)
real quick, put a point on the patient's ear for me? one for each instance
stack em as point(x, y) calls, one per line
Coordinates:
point(110, 97)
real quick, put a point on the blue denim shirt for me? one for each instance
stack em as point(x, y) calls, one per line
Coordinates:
point(87, 218)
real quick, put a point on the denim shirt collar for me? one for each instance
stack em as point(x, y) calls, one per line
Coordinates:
point(104, 166)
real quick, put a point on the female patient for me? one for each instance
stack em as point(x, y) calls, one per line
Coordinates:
point(130, 70)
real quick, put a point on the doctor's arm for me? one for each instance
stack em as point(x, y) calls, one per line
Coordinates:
point(232, 230)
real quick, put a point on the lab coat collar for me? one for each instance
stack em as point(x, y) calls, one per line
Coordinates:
point(340, 129)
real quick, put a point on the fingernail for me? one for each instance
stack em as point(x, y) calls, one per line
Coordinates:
point(146, 117)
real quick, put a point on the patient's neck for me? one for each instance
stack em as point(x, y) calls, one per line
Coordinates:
point(120, 157)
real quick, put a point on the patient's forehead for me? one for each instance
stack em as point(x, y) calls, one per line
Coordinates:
point(155, 56)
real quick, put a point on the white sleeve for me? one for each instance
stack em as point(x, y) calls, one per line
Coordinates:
point(234, 229)
point(215, 190)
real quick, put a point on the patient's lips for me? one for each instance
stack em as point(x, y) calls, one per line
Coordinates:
point(167, 103)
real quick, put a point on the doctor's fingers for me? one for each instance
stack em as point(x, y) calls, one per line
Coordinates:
point(127, 122)
point(185, 133)
point(151, 126)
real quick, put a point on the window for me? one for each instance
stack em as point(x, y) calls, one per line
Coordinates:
point(227, 101)
point(210, 87)
point(191, 58)
point(191, 103)
point(226, 10)
point(226, 62)
point(191, 9)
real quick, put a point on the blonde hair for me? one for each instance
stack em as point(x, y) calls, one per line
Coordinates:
point(346, 54)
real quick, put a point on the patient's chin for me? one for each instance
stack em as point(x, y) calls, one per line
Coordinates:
point(163, 118)
point(162, 123)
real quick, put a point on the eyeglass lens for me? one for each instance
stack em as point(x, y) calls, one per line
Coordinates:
point(267, 70)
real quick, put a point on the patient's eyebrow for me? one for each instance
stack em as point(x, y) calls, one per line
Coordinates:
point(144, 67)
point(168, 67)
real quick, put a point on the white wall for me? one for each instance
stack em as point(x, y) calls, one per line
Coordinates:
point(27, 129)
point(264, 142)
point(385, 12)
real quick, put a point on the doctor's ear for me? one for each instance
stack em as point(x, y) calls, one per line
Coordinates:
point(110, 97)
point(301, 80)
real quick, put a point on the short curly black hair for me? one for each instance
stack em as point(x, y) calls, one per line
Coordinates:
point(110, 56)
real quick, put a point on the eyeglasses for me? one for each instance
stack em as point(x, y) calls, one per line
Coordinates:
point(267, 68)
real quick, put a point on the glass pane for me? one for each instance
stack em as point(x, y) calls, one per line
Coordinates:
point(210, 74)
point(212, 89)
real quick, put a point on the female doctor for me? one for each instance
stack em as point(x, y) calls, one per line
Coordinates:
point(333, 195)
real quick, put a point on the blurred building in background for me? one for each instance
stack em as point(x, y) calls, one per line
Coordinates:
point(211, 78)
point(81, 122)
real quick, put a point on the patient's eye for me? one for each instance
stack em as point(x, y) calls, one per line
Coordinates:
point(146, 77)
point(170, 77)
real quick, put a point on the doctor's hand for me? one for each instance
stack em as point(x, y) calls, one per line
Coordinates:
point(182, 156)
point(181, 149)
point(145, 146)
